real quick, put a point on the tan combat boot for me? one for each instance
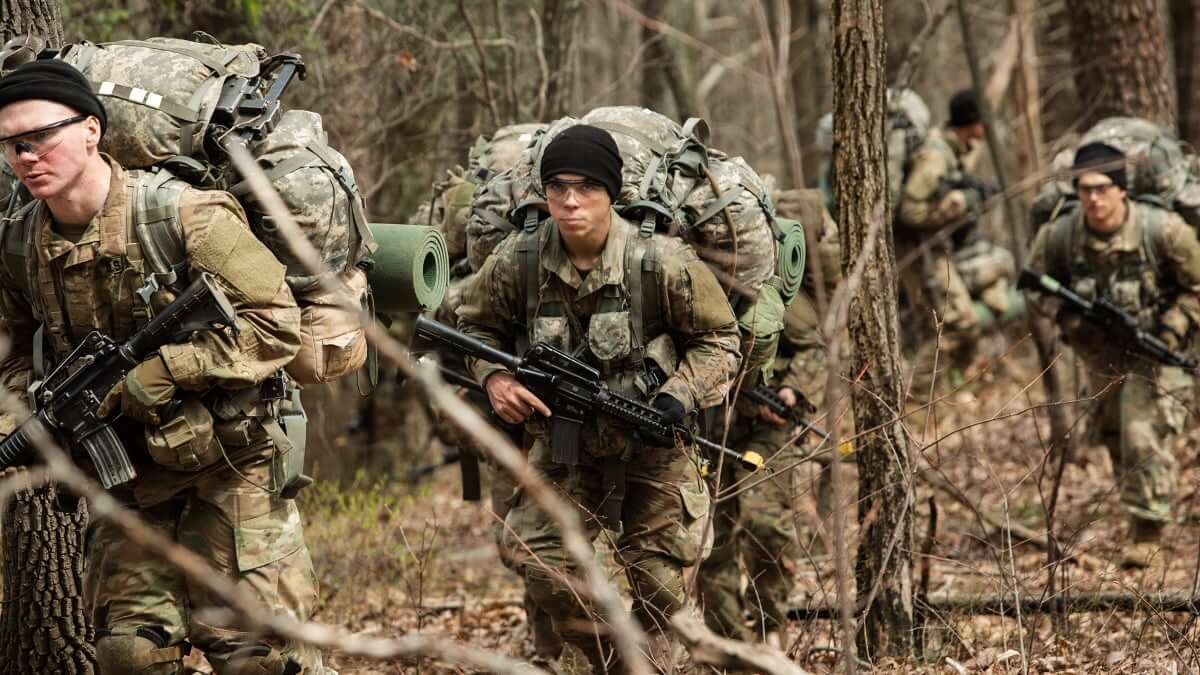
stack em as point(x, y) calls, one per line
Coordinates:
point(1144, 546)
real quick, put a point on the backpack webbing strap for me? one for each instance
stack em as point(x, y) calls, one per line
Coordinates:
point(215, 66)
point(16, 240)
point(697, 128)
point(148, 99)
point(293, 163)
point(493, 219)
point(529, 260)
point(641, 273)
point(723, 200)
point(618, 128)
point(358, 214)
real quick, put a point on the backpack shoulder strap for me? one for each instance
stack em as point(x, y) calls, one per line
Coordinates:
point(16, 235)
point(642, 280)
point(529, 281)
point(1059, 247)
point(1154, 237)
point(158, 233)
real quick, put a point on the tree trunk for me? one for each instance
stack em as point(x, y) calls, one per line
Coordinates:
point(1185, 18)
point(31, 17)
point(884, 559)
point(666, 87)
point(44, 626)
point(809, 77)
point(560, 23)
point(1120, 54)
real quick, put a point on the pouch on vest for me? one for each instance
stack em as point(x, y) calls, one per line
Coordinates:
point(609, 336)
point(332, 340)
point(186, 441)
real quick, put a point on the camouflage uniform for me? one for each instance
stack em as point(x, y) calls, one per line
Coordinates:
point(758, 525)
point(662, 515)
point(1151, 269)
point(926, 207)
point(143, 608)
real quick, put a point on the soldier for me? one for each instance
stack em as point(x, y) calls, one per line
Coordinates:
point(1147, 261)
point(939, 194)
point(69, 267)
point(758, 524)
point(652, 317)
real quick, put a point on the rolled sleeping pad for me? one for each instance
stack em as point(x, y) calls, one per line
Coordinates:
point(411, 270)
point(791, 259)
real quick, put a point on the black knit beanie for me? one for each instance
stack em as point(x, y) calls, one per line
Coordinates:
point(588, 151)
point(52, 80)
point(1097, 157)
point(964, 109)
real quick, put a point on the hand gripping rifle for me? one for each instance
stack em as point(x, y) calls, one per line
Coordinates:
point(65, 403)
point(1102, 312)
point(765, 396)
point(574, 391)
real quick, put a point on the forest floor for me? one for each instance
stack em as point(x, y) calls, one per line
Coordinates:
point(394, 557)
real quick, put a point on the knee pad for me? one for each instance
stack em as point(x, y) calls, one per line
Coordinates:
point(657, 585)
point(256, 660)
point(138, 654)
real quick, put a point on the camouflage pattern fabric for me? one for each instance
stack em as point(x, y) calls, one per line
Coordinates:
point(169, 71)
point(665, 500)
point(74, 287)
point(756, 528)
point(1144, 405)
point(663, 519)
point(242, 531)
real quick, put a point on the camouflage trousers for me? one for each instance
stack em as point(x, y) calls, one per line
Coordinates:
point(663, 520)
point(1138, 419)
point(757, 527)
point(244, 533)
point(941, 297)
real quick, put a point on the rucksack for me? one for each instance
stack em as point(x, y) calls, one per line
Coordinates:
point(673, 183)
point(169, 103)
point(1161, 169)
point(908, 123)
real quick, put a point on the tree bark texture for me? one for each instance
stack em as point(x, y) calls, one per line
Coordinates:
point(560, 23)
point(1185, 19)
point(1119, 50)
point(31, 17)
point(666, 87)
point(44, 626)
point(808, 74)
point(884, 508)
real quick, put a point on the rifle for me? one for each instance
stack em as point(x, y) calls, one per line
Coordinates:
point(766, 396)
point(1107, 315)
point(65, 403)
point(961, 180)
point(573, 390)
point(242, 111)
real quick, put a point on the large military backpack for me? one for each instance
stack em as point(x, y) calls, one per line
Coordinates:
point(672, 183)
point(1162, 169)
point(450, 205)
point(908, 127)
point(171, 104)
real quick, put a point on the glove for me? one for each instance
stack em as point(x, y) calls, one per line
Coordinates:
point(143, 392)
point(672, 414)
point(1170, 338)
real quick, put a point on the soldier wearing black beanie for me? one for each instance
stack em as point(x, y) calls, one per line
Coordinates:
point(52, 80)
point(588, 151)
point(1097, 157)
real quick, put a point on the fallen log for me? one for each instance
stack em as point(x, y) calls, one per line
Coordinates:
point(1003, 605)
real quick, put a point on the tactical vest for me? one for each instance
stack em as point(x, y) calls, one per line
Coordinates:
point(142, 266)
point(1138, 285)
point(625, 338)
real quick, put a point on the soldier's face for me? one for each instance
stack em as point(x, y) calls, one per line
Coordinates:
point(48, 162)
point(580, 207)
point(1102, 201)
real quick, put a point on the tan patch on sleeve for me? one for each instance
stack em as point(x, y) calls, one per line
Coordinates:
point(220, 242)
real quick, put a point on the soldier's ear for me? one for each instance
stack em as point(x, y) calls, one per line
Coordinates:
point(92, 135)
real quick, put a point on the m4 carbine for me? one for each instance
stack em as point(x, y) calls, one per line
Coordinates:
point(1103, 313)
point(574, 392)
point(768, 397)
point(65, 403)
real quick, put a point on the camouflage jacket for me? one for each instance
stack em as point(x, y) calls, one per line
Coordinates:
point(74, 288)
point(700, 357)
point(1150, 268)
point(925, 205)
